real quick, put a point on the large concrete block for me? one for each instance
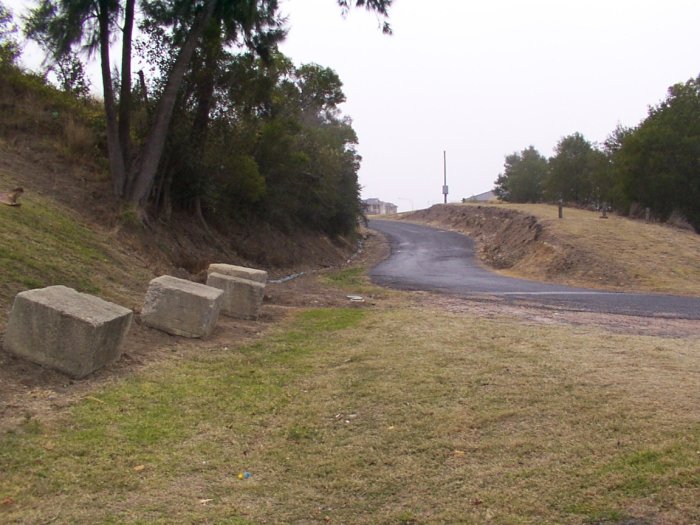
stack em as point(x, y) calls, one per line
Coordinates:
point(242, 297)
point(63, 329)
point(181, 307)
point(242, 272)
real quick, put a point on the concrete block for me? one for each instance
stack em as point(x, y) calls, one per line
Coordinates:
point(242, 297)
point(181, 307)
point(259, 276)
point(66, 330)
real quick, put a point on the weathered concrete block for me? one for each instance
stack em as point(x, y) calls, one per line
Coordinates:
point(242, 272)
point(242, 297)
point(181, 307)
point(69, 331)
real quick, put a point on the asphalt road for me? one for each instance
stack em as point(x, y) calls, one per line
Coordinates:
point(424, 258)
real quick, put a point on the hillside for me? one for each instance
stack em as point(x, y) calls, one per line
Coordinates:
point(529, 241)
point(70, 230)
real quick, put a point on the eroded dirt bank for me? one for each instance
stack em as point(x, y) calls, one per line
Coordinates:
point(518, 244)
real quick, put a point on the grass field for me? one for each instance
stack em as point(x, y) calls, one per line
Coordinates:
point(655, 257)
point(397, 414)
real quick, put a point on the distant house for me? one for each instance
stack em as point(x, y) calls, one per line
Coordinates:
point(482, 197)
point(377, 207)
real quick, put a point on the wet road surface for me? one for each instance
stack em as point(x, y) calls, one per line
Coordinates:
point(425, 258)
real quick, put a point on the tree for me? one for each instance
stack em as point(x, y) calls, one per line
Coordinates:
point(71, 77)
point(9, 49)
point(307, 155)
point(275, 146)
point(62, 25)
point(658, 163)
point(607, 179)
point(523, 177)
point(91, 23)
point(572, 171)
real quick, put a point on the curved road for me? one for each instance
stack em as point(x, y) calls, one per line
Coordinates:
point(424, 258)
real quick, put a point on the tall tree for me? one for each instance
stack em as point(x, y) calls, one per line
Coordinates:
point(68, 23)
point(61, 25)
point(9, 48)
point(659, 162)
point(606, 179)
point(523, 177)
point(572, 169)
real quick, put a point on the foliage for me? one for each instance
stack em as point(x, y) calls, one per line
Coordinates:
point(655, 165)
point(658, 163)
point(523, 178)
point(71, 76)
point(9, 48)
point(224, 133)
point(272, 144)
point(572, 170)
point(214, 129)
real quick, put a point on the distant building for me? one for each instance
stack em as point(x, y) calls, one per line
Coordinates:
point(377, 207)
point(482, 197)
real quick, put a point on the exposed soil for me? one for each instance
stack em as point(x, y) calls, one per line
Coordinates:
point(512, 240)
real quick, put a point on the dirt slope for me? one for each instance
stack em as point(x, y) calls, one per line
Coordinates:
point(617, 254)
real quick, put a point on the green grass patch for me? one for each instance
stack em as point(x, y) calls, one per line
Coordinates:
point(642, 472)
point(347, 277)
point(40, 245)
point(353, 280)
point(330, 320)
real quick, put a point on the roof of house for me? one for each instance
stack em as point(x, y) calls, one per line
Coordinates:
point(486, 196)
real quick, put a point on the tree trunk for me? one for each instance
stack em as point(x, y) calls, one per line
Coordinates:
point(114, 151)
point(125, 89)
point(144, 175)
point(205, 97)
point(205, 86)
point(142, 80)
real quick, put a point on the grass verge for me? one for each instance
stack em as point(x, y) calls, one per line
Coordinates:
point(378, 416)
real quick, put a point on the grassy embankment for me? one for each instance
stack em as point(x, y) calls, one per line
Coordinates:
point(48, 145)
point(397, 413)
point(43, 243)
point(654, 257)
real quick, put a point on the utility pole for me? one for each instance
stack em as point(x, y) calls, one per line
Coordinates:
point(445, 189)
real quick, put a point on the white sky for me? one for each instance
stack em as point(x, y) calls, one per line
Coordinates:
point(481, 79)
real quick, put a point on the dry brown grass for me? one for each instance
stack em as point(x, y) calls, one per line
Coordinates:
point(654, 257)
point(80, 142)
point(399, 415)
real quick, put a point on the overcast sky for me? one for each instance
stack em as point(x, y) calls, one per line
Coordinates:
point(482, 79)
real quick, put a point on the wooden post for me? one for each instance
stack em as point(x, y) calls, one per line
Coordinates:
point(561, 209)
point(647, 214)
